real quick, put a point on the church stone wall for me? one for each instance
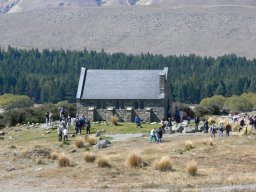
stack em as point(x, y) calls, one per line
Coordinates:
point(103, 110)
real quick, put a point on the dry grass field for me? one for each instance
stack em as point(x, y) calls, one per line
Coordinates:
point(35, 161)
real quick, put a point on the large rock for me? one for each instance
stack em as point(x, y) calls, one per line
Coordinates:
point(102, 144)
point(2, 133)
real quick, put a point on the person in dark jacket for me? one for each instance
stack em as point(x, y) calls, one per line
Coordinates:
point(159, 134)
point(228, 129)
point(138, 121)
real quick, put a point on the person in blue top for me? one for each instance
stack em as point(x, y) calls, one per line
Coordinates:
point(138, 121)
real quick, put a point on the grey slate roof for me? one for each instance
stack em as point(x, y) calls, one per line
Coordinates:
point(120, 84)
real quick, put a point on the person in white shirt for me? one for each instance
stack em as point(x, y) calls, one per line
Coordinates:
point(152, 135)
point(65, 133)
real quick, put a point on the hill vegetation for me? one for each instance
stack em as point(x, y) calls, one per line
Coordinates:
point(52, 76)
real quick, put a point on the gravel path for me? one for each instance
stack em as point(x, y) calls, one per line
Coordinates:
point(123, 137)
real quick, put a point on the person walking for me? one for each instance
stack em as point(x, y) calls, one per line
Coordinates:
point(65, 133)
point(152, 135)
point(181, 114)
point(138, 121)
point(159, 134)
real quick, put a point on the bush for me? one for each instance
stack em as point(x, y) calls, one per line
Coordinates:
point(89, 157)
point(92, 140)
point(8, 101)
point(192, 168)
point(188, 145)
point(54, 155)
point(64, 161)
point(103, 161)
point(39, 161)
point(134, 161)
point(79, 142)
point(239, 104)
point(164, 164)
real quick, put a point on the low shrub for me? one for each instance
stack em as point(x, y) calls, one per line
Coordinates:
point(134, 161)
point(188, 145)
point(192, 167)
point(103, 161)
point(79, 142)
point(164, 164)
point(54, 155)
point(89, 157)
point(64, 161)
point(114, 120)
point(92, 140)
point(39, 161)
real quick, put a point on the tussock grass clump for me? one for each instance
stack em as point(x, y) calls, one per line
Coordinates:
point(79, 142)
point(54, 155)
point(188, 145)
point(64, 161)
point(192, 167)
point(24, 153)
point(114, 120)
point(211, 143)
point(39, 161)
point(235, 127)
point(103, 161)
point(134, 161)
point(89, 157)
point(92, 140)
point(208, 142)
point(164, 164)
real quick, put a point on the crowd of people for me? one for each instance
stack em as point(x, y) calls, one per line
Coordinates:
point(65, 125)
point(156, 134)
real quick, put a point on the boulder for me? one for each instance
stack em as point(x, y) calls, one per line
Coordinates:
point(2, 133)
point(102, 144)
point(48, 132)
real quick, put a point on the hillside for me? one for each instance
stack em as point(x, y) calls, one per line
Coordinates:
point(204, 28)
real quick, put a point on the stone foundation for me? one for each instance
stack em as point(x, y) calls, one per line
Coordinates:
point(152, 111)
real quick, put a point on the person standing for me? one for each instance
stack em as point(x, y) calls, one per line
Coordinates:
point(159, 134)
point(77, 122)
point(197, 120)
point(206, 126)
point(59, 130)
point(47, 118)
point(213, 130)
point(69, 122)
point(51, 118)
point(88, 127)
point(177, 115)
point(138, 121)
point(65, 133)
point(181, 114)
point(221, 129)
point(228, 129)
point(152, 135)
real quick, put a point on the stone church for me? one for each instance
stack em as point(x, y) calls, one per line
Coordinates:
point(102, 94)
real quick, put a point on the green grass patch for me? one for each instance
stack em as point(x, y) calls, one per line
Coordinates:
point(122, 128)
